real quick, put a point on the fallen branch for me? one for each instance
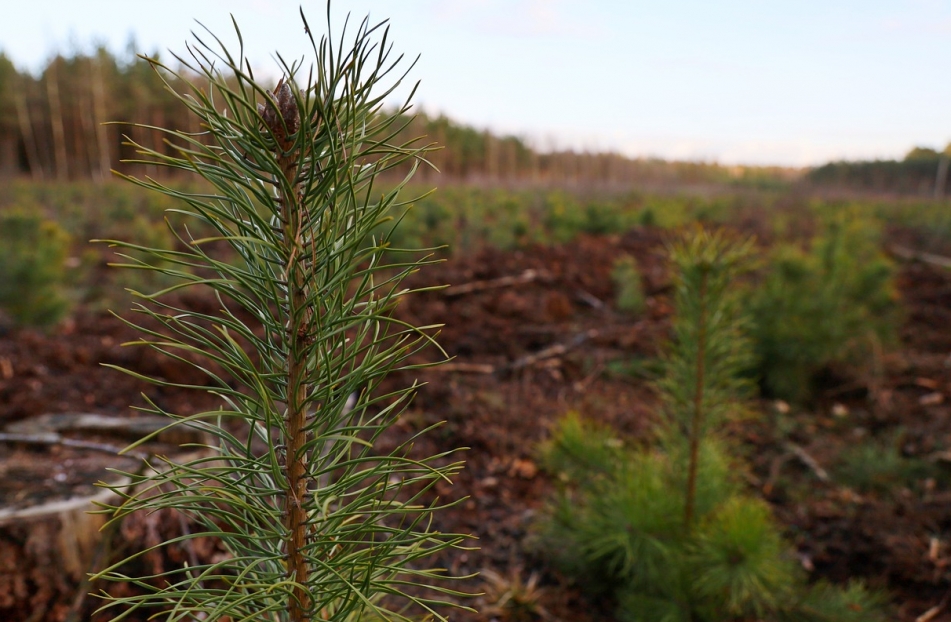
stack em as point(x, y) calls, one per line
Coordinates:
point(582, 385)
point(809, 461)
point(52, 438)
point(465, 368)
point(590, 299)
point(792, 451)
point(104, 549)
point(506, 281)
point(559, 349)
point(114, 427)
point(933, 612)
point(909, 254)
point(774, 470)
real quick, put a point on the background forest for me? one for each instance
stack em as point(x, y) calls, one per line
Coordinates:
point(52, 126)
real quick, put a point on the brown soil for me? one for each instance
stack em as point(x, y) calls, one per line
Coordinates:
point(500, 402)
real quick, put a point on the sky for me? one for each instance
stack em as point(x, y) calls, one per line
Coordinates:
point(734, 81)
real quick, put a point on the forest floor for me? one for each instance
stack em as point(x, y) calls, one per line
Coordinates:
point(534, 335)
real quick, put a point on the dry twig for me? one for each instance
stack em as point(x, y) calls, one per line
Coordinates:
point(809, 461)
point(52, 438)
point(506, 281)
point(909, 254)
point(559, 349)
point(465, 368)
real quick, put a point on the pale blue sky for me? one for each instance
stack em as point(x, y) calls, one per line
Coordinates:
point(739, 81)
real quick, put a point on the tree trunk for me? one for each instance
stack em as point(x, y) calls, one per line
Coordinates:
point(99, 118)
point(9, 165)
point(56, 123)
point(87, 123)
point(26, 131)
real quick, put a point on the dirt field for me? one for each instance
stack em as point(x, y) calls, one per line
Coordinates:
point(544, 340)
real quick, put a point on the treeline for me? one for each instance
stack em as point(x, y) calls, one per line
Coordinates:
point(923, 171)
point(475, 155)
point(54, 126)
point(69, 122)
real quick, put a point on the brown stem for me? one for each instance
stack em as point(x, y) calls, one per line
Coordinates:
point(282, 118)
point(697, 420)
point(296, 517)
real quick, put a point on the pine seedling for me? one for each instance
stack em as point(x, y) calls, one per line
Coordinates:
point(33, 254)
point(832, 303)
point(668, 532)
point(703, 386)
point(316, 523)
point(629, 295)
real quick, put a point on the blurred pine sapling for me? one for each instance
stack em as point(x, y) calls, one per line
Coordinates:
point(33, 272)
point(703, 386)
point(878, 466)
point(668, 532)
point(316, 523)
point(629, 291)
point(834, 302)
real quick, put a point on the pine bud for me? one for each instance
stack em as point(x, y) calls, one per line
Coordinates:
point(280, 114)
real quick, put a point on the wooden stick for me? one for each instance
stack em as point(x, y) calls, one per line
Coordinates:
point(774, 469)
point(506, 281)
point(933, 612)
point(52, 438)
point(559, 349)
point(465, 368)
point(590, 299)
point(809, 461)
point(912, 255)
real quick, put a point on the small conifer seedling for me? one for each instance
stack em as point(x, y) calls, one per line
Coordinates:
point(668, 531)
point(317, 524)
point(32, 268)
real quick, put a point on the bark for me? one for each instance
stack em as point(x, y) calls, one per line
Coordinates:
point(87, 122)
point(8, 156)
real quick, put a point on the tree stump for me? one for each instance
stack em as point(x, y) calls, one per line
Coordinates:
point(49, 467)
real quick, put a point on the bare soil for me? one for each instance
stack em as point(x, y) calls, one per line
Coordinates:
point(536, 337)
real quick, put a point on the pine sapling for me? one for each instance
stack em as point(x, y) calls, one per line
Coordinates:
point(610, 524)
point(703, 385)
point(317, 524)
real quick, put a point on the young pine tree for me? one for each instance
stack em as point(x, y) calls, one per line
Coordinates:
point(317, 524)
point(33, 276)
point(669, 532)
point(703, 386)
